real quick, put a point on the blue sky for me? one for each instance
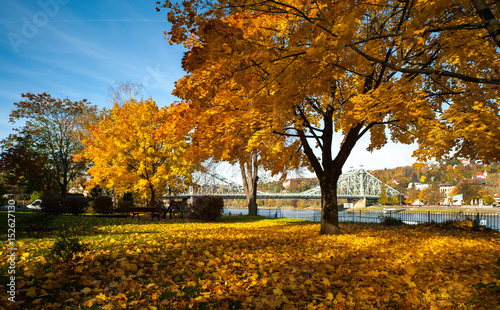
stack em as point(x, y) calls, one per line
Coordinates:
point(77, 49)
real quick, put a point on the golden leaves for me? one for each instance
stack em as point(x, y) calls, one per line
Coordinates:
point(138, 147)
point(267, 264)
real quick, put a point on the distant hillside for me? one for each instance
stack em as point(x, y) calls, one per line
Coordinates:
point(451, 172)
point(292, 185)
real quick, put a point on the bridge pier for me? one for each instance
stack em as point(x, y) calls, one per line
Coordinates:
point(358, 203)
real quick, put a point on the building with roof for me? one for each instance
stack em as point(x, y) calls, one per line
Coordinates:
point(445, 191)
point(497, 199)
point(418, 185)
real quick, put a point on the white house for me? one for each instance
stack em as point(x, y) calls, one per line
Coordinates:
point(458, 200)
point(482, 175)
point(445, 191)
point(497, 199)
point(418, 185)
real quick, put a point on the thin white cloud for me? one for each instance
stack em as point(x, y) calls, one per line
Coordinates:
point(108, 21)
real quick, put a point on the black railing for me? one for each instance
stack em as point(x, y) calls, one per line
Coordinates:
point(491, 220)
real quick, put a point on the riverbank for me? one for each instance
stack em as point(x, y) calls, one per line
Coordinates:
point(433, 208)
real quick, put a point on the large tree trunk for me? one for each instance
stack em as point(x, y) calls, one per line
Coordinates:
point(329, 169)
point(63, 184)
point(329, 205)
point(63, 188)
point(249, 174)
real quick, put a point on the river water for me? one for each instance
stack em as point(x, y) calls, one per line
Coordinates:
point(491, 220)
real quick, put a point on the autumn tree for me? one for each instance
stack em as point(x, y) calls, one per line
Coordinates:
point(470, 190)
point(53, 127)
point(394, 200)
point(430, 195)
point(383, 199)
point(22, 166)
point(138, 149)
point(124, 91)
point(488, 199)
point(228, 128)
point(412, 196)
point(316, 68)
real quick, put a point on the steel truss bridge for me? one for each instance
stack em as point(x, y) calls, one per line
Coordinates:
point(354, 184)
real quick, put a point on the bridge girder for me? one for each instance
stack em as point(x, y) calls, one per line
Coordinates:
point(354, 184)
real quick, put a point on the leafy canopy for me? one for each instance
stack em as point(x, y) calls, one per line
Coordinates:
point(427, 70)
point(409, 71)
point(137, 148)
point(53, 127)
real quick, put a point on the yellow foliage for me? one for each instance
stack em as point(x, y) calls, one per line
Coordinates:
point(419, 72)
point(138, 148)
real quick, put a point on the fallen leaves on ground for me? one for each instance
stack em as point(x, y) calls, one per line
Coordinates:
point(267, 264)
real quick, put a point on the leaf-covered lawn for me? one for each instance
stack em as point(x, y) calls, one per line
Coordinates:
point(262, 264)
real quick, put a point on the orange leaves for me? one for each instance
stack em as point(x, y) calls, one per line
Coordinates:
point(388, 57)
point(138, 148)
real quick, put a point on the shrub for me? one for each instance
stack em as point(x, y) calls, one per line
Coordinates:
point(123, 206)
point(66, 248)
point(206, 208)
point(390, 221)
point(52, 205)
point(178, 207)
point(463, 224)
point(36, 195)
point(75, 205)
point(103, 205)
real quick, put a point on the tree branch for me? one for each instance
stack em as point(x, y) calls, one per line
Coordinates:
point(455, 75)
point(492, 25)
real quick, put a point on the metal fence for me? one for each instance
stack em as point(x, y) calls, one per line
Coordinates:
point(490, 220)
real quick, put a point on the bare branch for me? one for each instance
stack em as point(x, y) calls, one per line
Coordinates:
point(445, 73)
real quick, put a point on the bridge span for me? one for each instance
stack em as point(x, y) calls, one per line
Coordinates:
point(354, 184)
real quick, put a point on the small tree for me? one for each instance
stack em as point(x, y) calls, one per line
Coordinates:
point(488, 199)
point(67, 248)
point(383, 199)
point(138, 148)
point(412, 195)
point(54, 128)
point(394, 200)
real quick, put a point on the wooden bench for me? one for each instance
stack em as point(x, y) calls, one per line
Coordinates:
point(138, 210)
